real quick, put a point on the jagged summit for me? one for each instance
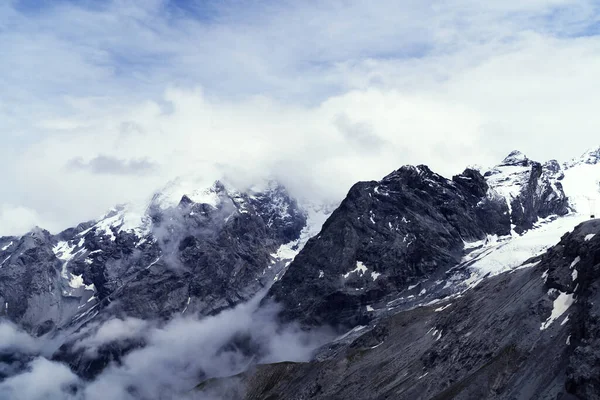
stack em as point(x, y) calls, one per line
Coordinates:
point(515, 158)
point(571, 186)
point(393, 247)
point(193, 240)
point(197, 190)
point(531, 190)
point(590, 157)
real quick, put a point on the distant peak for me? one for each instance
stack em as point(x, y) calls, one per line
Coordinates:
point(591, 156)
point(515, 157)
point(218, 186)
point(476, 167)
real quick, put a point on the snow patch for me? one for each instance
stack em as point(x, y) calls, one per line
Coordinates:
point(438, 334)
point(575, 262)
point(443, 308)
point(316, 217)
point(581, 186)
point(589, 237)
point(153, 262)
point(187, 305)
point(5, 260)
point(360, 269)
point(508, 253)
point(350, 332)
point(371, 217)
point(560, 306)
point(65, 252)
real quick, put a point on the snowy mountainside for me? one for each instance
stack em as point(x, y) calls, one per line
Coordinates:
point(530, 334)
point(582, 181)
point(404, 248)
point(415, 237)
point(558, 188)
point(515, 298)
point(531, 190)
point(209, 248)
point(576, 181)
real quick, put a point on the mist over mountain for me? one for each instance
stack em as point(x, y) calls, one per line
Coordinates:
point(263, 200)
point(415, 286)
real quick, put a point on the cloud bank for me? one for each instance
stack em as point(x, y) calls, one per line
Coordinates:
point(112, 166)
point(176, 358)
point(105, 104)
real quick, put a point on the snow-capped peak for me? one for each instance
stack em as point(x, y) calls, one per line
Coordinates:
point(124, 217)
point(515, 158)
point(531, 190)
point(510, 176)
point(198, 190)
point(574, 184)
point(591, 157)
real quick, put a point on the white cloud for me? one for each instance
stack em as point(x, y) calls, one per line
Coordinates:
point(12, 339)
point(17, 220)
point(45, 380)
point(113, 330)
point(319, 95)
point(176, 356)
point(187, 351)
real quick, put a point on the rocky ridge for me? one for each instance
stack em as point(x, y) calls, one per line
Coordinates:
point(528, 334)
point(392, 249)
point(407, 231)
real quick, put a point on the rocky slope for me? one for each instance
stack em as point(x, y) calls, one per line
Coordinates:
point(528, 334)
point(382, 271)
point(407, 231)
point(209, 251)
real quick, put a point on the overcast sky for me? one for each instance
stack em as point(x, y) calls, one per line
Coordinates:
point(102, 102)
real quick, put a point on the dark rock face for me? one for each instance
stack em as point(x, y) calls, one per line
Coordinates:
point(573, 267)
point(29, 284)
point(409, 227)
point(212, 256)
point(512, 337)
point(384, 236)
point(402, 236)
point(193, 257)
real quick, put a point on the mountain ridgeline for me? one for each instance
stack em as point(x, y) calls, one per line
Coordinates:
point(211, 254)
point(438, 288)
point(410, 226)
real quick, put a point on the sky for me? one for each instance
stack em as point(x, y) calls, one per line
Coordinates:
point(104, 102)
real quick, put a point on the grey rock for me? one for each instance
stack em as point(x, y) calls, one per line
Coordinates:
point(408, 227)
point(487, 343)
point(189, 258)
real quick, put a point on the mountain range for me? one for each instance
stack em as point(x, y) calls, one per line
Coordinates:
point(416, 286)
